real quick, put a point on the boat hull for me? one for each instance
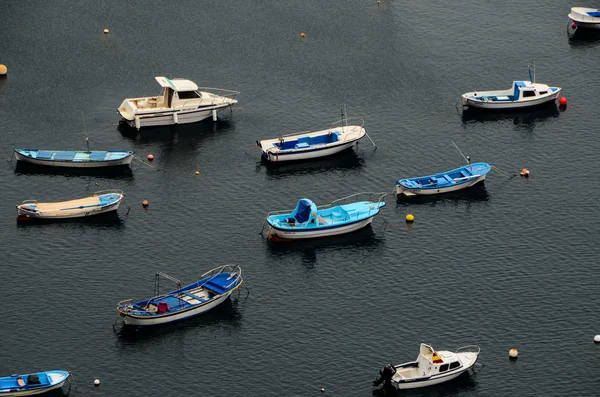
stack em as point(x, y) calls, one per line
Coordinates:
point(26, 215)
point(408, 192)
point(158, 320)
point(582, 19)
point(428, 382)
point(500, 105)
point(69, 164)
point(170, 117)
point(306, 154)
point(277, 234)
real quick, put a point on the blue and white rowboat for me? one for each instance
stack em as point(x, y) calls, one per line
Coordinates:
point(309, 221)
point(100, 203)
point(74, 158)
point(444, 182)
point(32, 384)
point(308, 144)
point(214, 287)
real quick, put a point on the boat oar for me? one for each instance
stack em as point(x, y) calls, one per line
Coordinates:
point(370, 139)
point(461, 153)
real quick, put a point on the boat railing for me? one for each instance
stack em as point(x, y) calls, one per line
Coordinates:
point(220, 92)
point(108, 191)
point(29, 202)
point(469, 348)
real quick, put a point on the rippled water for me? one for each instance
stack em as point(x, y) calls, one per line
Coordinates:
point(510, 264)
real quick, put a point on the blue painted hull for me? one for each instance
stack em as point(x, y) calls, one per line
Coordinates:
point(444, 182)
point(33, 384)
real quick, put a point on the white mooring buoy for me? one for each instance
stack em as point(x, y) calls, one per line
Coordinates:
point(97, 382)
point(597, 338)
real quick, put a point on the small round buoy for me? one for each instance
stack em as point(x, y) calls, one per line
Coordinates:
point(3, 69)
point(97, 382)
point(302, 35)
point(573, 25)
point(597, 338)
point(197, 172)
point(322, 390)
point(410, 218)
point(150, 157)
point(562, 101)
point(524, 172)
point(105, 31)
point(513, 353)
point(145, 203)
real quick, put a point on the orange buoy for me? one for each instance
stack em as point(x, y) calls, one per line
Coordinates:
point(562, 101)
point(145, 203)
point(302, 35)
point(150, 157)
point(524, 172)
point(3, 69)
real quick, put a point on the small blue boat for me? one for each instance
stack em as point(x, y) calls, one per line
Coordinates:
point(307, 221)
point(75, 158)
point(31, 384)
point(214, 288)
point(444, 182)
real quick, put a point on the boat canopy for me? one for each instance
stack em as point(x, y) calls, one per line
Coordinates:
point(176, 84)
point(303, 210)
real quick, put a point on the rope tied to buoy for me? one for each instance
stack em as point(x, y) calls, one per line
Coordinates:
point(142, 161)
point(503, 172)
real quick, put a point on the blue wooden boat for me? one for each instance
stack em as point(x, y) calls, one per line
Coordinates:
point(344, 215)
point(31, 384)
point(444, 182)
point(75, 158)
point(214, 287)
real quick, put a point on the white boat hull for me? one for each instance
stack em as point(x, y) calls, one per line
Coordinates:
point(429, 382)
point(278, 234)
point(307, 154)
point(582, 19)
point(163, 118)
point(36, 391)
point(509, 105)
point(195, 311)
point(71, 164)
point(24, 215)
point(401, 190)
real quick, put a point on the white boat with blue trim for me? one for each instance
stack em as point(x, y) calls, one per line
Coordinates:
point(306, 145)
point(341, 216)
point(522, 94)
point(181, 101)
point(430, 368)
point(444, 182)
point(588, 18)
point(32, 384)
point(75, 158)
point(213, 288)
point(99, 203)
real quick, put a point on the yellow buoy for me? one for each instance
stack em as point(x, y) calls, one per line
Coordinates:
point(410, 218)
point(513, 353)
point(105, 31)
point(3, 69)
point(302, 35)
point(197, 172)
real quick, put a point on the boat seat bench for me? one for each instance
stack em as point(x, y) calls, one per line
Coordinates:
point(198, 298)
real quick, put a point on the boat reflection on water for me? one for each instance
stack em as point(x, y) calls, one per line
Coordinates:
point(527, 117)
point(223, 317)
point(582, 37)
point(188, 133)
point(109, 219)
point(472, 194)
point(121, 172)
point(346, 160)
point(464, 385)
point(369, 238)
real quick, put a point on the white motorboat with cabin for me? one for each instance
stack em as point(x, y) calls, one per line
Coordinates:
point(430, 368)
point(588, 18)
point(181, 101)
point(522, 94)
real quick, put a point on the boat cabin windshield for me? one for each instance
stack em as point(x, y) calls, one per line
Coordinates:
point(188, 94)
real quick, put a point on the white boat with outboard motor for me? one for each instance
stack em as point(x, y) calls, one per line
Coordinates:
point(181, 101)
point(588, 18)
point(522, 94)
point(430, 368)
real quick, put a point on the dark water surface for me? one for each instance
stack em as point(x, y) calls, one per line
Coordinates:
point(512, 264)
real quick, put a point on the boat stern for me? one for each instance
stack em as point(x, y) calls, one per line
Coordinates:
point(127, 110)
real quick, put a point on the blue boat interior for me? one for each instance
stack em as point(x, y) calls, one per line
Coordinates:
point(75, 156)
point(307, 216)
point(28, 381)
point(445, 179)
point(595, 14)
point(107, 199)
point(308, 141)
point(187, 297)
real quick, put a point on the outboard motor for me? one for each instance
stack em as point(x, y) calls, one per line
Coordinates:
point(385, 376)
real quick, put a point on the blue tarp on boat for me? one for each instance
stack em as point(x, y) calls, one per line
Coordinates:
point(302, 211)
